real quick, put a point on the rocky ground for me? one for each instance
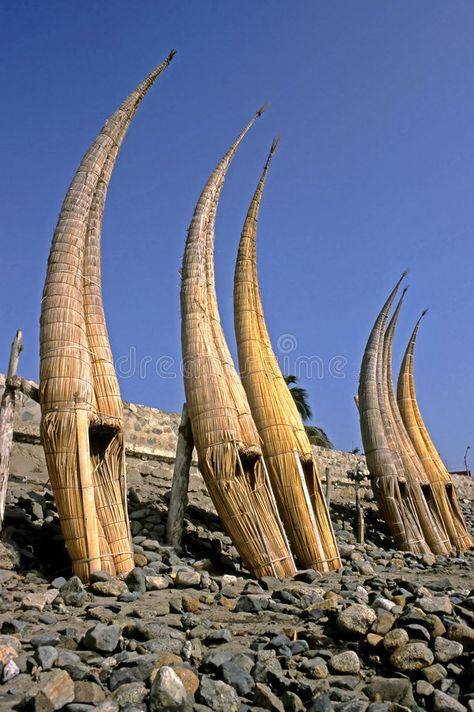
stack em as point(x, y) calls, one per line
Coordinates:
point(192, 631)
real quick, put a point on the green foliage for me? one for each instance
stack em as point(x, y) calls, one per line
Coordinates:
point(316, 435)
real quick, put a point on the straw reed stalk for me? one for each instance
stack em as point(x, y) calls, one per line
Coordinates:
point(442, 492)
point(286, 449)
point(81, 410)
point(225, 436)
point(393, 492)
point(429, 514)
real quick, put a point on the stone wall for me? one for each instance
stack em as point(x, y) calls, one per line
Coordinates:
point(150, 438)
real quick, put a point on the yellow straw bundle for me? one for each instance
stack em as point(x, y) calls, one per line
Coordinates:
point(286, 448)
point(224, 433)
point(439, 485)
point(81, 424)
point(397, 492)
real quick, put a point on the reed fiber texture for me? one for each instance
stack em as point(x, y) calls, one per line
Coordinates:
point(439, 486)
point(225, 436)
point(286, 449)
point(397, 492)
point(81, 423)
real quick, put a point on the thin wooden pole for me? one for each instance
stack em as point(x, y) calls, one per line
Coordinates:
point(7, 412)
point(180, 484)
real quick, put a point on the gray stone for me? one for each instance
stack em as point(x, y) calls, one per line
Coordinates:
point(396, 638)
point(219, 636)
point(434, 673)
point(411, 657)
point(423, 688)
point(390, 690)
point(168, 693)
point(131, 693)
point(187, 578)
point(315, 667)
point(237, 678)
point(446, 650)
point(347, 663)
point(46, 655)
point(136, 580)
point(435, 604)
point(219, 696)
point(441, 702)
point(73, 592)
point(103, 638)
point(292, 702)
point(356, 619)
point(251, 603)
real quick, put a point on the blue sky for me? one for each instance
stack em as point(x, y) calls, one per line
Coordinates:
point(374, 105)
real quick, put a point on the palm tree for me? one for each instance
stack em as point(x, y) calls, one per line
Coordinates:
point(316, 435)
point(301, 398)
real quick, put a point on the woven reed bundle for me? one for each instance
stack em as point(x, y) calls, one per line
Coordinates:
point(224, 433)
point(394, 494)
point(286, 448)
point(441, 487)
point(428, 512)
point(81, 424)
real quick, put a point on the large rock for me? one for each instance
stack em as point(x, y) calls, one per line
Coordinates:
point(346, 663)
point(9, 556)
point(168, 693)
point(265, 698)
point(55, 690)
point(390, 690)
point(446, 650)
point(411, 657)
point(356, 619)
point(435, 604)
point(219, 696)
point(73, 592)
point(441, 702)
point(103, 638)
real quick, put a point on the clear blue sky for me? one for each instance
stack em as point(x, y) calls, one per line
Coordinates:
point(375, 173)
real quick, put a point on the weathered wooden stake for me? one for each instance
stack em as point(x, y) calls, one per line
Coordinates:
point(360, 514)
point(7, 411)
point(180, 484)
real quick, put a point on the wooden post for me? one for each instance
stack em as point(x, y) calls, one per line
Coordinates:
point(7, 412)
point(328, 486)
point(180, 484)
point(360, 514)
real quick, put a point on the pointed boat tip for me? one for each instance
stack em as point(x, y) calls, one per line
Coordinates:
point(404, 274)
point(274, 145)
point(170, 55)
point(425, 311)
point(262, 109)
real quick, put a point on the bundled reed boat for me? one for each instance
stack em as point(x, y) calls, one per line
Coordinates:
point(81, 408)
point(226, 439)
point(286, 448)
point(438, 483)
point(394, 480)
